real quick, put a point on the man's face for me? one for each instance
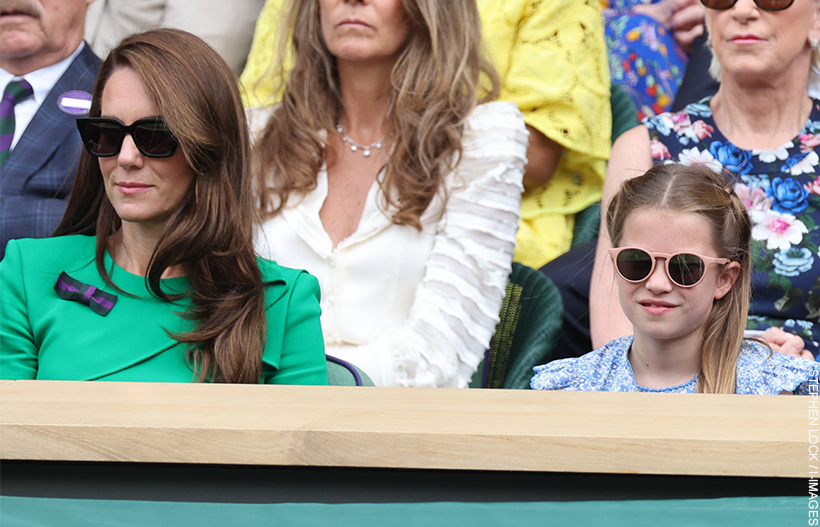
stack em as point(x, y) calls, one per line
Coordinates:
point(37, 33)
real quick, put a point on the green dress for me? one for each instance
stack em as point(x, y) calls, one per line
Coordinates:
point(43, 336)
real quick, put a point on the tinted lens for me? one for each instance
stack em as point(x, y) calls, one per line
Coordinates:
point(109, 138)
point(101, 138)
point(768, 5)
point(718, 4)
point(686, 269)
point(774, 5)
point(634, 264)
point(154, 139)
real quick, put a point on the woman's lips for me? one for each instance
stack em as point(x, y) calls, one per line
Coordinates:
point(353, 22)
point(16, 12)
point(745, 39)
point(128, 187)
point(23, 11)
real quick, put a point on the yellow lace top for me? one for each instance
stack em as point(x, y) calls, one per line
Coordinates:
point(552, 61)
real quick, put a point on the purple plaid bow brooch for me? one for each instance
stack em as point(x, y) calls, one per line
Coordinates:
point(68, 288)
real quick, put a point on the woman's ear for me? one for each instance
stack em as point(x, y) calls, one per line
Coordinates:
point(727, 279)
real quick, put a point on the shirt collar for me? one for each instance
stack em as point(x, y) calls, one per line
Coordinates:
point(44, 79)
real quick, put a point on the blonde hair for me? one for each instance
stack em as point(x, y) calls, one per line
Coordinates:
point(437, 80)
point(697, 189)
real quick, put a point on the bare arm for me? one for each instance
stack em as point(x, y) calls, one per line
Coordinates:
point(542, 158)
point(630, 158)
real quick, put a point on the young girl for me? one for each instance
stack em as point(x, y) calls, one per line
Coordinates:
point(681, 253)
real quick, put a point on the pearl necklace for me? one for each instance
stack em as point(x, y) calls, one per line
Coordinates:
point(354, 146)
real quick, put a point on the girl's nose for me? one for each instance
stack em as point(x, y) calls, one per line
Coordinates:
point(658, 281)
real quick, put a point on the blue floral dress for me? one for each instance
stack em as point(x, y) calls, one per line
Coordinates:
point(644, 57)
point(781, 190)
point(760, 371)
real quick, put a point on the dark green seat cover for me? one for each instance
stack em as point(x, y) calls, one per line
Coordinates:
point(342, 373)
point(526, 334)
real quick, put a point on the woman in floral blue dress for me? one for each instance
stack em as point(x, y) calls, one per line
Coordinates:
point(781, 191)
point(762, 132)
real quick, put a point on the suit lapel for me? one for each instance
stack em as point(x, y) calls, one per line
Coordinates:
point(49, 126)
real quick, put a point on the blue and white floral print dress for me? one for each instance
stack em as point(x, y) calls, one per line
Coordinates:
point(781, 190)
point(760, 371)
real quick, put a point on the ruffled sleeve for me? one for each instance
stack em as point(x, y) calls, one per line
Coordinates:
point(761, 371)
point(455, 309)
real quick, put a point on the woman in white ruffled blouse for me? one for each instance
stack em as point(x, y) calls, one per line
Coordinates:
point(383, 175)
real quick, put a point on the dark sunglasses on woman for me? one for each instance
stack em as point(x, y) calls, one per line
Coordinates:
point(766, 5)
point(103, 136)
point(635, 265)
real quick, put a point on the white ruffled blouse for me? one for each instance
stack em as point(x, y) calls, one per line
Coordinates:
point(416, 308)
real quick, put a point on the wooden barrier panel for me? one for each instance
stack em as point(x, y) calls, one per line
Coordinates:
point(618, 433)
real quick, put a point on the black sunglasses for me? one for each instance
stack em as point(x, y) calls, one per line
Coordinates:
point(766, 5)
point(103, 136)
point(684, 269)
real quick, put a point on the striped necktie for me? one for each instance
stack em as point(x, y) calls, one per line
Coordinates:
point(15, 92)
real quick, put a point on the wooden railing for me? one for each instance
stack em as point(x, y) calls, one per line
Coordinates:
point(626, 433)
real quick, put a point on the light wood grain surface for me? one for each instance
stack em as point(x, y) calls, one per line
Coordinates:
point(407, 428)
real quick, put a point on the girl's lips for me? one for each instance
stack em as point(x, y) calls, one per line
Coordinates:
point(656, 310)
point(133, 188)
point(656, 307)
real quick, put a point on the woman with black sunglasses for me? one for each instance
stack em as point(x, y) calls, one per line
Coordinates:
point(152, 275)
point(762, 133)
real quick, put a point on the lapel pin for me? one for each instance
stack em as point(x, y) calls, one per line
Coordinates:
point(75, 102)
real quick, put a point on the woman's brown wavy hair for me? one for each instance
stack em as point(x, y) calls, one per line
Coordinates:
point(437, 80)
point(211, 234)
point(698, 190)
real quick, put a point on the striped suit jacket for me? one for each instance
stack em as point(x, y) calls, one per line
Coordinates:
point(36, 180)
